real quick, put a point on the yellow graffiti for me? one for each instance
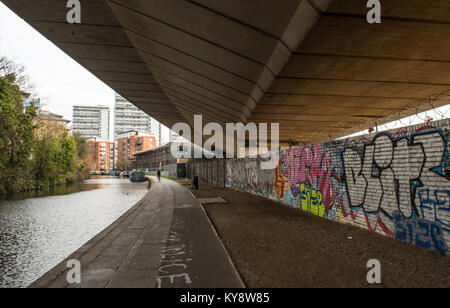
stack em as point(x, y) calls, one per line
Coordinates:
point(312, 200)
point(280, 183)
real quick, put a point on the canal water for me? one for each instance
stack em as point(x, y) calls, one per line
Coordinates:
point(41, 229)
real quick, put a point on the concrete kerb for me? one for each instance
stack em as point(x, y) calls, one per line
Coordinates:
point(241, 280)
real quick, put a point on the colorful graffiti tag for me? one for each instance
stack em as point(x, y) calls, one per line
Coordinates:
point(396, 184)
point(400, 177)
point(312, 169)
point(280, 183)
point(419, 232)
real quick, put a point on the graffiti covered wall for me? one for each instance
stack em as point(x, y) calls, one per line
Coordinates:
point(396, 183)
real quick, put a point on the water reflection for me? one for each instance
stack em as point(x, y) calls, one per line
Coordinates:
point(40, 230)
point(65, 189)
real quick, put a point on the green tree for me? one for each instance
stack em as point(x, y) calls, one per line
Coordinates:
point(16, 136)
point(30, 160)
point(81, 158)
point(55, 160)
point(44, 166)
point(67, 148)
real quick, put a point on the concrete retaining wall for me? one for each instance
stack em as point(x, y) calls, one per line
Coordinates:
point(211, 171)
point(395, 183)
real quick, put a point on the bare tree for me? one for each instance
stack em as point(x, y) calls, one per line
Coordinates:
point(16, 71)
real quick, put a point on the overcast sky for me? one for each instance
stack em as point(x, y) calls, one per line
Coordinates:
point(61, 82)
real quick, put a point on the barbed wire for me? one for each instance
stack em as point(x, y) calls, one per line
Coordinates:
point(418, 116)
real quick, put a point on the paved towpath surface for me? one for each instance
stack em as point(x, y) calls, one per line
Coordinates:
point(277, 246)
point(164, 241)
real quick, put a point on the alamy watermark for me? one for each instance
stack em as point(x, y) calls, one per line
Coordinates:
point(213, 147)
point(74, 14)
point(374, 14)
point(255, 146)
point(374, 275)
point(74, 274)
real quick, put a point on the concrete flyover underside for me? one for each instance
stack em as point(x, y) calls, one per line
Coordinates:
point(317, 67)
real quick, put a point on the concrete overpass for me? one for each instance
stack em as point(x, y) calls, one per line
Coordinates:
point(315, 66)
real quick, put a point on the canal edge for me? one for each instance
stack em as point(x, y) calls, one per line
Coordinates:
point(51, 276)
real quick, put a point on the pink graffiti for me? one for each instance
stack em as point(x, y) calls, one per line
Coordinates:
point(313, 166)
